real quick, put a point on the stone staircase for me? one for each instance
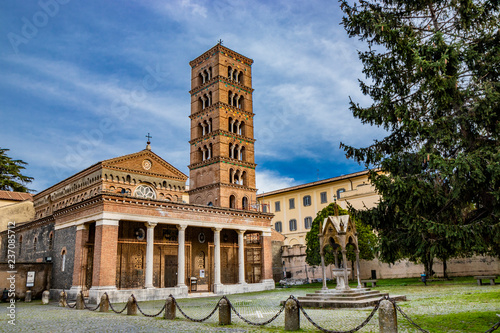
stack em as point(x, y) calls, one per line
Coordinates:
point(353, 298)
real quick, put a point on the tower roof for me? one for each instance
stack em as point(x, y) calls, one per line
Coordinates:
point(219, 48)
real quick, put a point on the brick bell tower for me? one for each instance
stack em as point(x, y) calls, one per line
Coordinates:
point(222, 169)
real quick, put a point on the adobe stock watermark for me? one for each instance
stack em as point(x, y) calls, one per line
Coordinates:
point(120, 108)
point(11, 273)
point(30, 26)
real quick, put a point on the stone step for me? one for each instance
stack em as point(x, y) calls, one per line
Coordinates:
point(372, 293)
point(350, 291)
point(370, 302)
point(336, 298)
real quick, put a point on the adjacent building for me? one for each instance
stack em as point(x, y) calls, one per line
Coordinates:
point(295, 208)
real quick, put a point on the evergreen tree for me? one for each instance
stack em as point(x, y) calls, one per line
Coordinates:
point(434, 73)
point(11, 178)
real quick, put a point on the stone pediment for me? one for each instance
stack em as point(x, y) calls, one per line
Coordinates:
point(144, 162)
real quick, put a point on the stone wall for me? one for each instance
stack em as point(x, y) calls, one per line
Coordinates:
point(32, 243)
point(64, 243)
point(42, 278)
point(295, 264)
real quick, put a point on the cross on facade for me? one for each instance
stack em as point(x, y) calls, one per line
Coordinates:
point(149, 138)
point(220, 41)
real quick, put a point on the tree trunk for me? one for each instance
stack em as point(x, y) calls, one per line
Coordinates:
point(428, 261)
point(445, 273)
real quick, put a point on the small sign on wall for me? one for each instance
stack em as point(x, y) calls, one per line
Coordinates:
point(30, 279)
point(202, 273)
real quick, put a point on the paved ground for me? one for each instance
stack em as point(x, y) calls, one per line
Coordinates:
point(257, 307)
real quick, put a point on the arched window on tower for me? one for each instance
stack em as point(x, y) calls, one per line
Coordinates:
point(35, 241)
point(244, 178)
point(232, 201)
point(230, 97)
point(236, 177)
point(239, 103)
point(244, 203)
point(241, 128)
point(229, 72)
point(241, 153)
point(240, 77)
point(231, 176)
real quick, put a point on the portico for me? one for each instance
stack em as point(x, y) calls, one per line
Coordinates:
point(156, 252)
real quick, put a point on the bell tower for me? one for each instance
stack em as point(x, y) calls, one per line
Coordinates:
point(222, 169)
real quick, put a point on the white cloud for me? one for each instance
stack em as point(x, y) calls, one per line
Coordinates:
point(269, 180)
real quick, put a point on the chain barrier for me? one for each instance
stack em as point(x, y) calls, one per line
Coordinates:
point(357, 328)
point(88, 308)
point(71, 306)
point(493, 328)
point(193, 319)
point(407, 317)
point(145, 314)
point(67, 304)
point(111, 305)
point(250, 322)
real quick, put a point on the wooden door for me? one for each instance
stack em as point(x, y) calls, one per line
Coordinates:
point(170, 271)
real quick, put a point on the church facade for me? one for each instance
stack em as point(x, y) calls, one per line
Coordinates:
point(130, 224)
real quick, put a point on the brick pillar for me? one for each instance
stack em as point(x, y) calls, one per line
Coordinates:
point(105, 253)
point(267, 256)
point(82, 235)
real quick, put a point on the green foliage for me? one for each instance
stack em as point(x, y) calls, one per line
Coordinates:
point(11, 178)
point(366, 239)
point(434, 81)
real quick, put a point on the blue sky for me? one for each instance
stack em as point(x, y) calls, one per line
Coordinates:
point(84, 81)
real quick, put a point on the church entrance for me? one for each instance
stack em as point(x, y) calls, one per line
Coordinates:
point(170, 271)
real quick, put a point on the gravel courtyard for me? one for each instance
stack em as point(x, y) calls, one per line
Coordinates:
point(256, 307)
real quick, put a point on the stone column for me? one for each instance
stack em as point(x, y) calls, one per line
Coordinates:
point(324, 271)
point(149, 254)
point(357, 269)
point(322, 254)
point(181, 256)
point(241, 257)
point(105, 253)
point(216, 258)
point(346, 275)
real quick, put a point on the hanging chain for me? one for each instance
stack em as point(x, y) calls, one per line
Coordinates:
point(193, 319)
point(250, 322)
point(406, 317)
point(493, 328)
point(145, 314)
point(357, 328)
point(111, 305)
point(88, 308)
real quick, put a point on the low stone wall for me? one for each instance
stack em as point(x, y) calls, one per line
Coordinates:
point(42, 277)
point(297, 268)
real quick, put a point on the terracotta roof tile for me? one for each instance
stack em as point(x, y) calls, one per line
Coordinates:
point(15, 196)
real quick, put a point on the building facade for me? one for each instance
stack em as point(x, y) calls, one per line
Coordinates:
point(125, 225)
point(295, 207)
